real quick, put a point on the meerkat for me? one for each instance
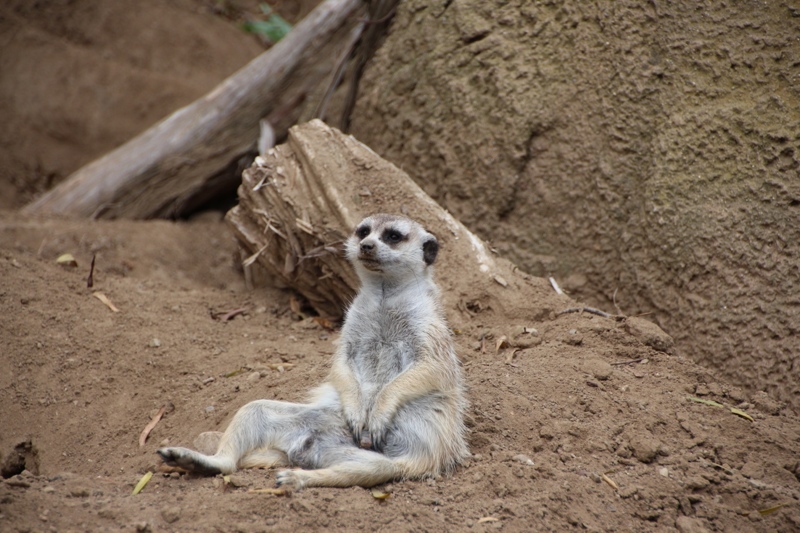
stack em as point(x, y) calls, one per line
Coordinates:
point(392, 406)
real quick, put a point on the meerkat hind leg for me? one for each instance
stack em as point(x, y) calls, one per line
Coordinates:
point(264, 458)
point(363, 468)
point(257, 427)
point(193, 461)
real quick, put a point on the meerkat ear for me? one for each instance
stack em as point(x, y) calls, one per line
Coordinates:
point(430, 248)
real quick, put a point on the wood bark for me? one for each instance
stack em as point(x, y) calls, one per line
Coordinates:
point(152, 174)
point(300, 201)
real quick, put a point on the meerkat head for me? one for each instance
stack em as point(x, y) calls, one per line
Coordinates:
point(391, 246)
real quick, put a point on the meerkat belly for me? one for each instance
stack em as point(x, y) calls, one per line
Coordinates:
point(378, 361)
point(378, 354)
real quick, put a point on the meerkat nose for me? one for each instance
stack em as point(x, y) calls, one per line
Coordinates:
point(367, 247)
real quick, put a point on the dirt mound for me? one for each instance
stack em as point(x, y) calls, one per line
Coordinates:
point(575, 421)
point(81, 79)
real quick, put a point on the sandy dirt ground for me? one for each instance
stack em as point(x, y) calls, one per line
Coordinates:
point(586, 423)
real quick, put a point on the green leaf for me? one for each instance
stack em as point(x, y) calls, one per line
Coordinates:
point(274, 28)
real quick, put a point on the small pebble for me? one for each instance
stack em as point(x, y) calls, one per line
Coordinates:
point(238, 480)
point(171, 514)
point(17, 481)
point(524, 459)
point(601, 370)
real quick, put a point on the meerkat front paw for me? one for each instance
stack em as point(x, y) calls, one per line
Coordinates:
point(291, 479)
point(356, 425)
point(376, 434)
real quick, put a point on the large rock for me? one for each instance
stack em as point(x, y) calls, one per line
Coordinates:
point(650, 150)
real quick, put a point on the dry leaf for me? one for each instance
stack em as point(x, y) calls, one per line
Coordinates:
point(719, 467)
point(252, 259)
point(741, 413)
point(66, 260)
point(149, 427)
point(224, 316)
point(235, 372)
point(500, 280)
point(609, 481)
point(142, 482)
point(770, 510)
point(103, 298)
point(276, 492)
point(279, 366)
point(502, 342)
point(379, 495)
point(706, 402)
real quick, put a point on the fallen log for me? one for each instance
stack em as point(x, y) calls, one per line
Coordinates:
point(156, 172)
point(299, 202)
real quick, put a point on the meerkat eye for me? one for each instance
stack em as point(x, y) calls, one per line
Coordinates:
point(392, 236)
point(362, 232)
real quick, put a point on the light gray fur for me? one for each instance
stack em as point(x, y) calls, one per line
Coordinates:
point(393, 404)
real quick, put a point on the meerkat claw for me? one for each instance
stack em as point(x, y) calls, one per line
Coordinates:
point(288, 479)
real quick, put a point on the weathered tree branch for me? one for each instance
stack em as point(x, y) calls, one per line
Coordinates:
point(154, 172)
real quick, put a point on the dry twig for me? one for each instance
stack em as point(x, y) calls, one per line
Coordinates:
point(591, 310)
point(555, 285)
point(629, 362)
point(90, 279)
point(149, 427)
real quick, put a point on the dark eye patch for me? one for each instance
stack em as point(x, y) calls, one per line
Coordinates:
point(363, 231)
point(392, 236)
